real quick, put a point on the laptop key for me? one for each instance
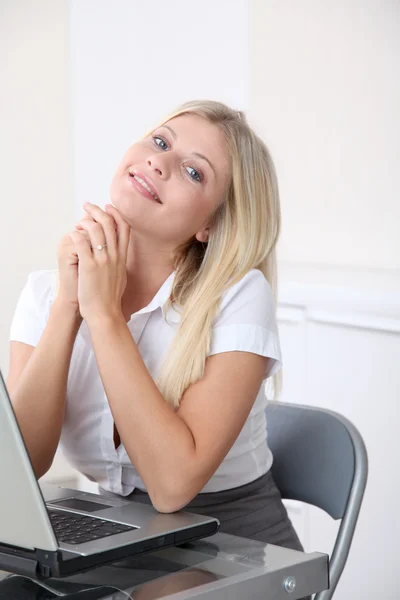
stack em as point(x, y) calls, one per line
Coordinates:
point(73, 528)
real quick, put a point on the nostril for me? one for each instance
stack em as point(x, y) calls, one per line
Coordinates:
point(150, 164)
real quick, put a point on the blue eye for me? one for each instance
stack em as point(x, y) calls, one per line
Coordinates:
point(163, 145)
point(194, 174)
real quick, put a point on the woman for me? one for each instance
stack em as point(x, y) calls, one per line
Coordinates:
point(145, 355)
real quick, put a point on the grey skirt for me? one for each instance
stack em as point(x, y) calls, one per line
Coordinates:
point(254, 511)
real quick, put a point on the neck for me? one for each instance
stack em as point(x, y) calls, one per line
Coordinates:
point(147, 268)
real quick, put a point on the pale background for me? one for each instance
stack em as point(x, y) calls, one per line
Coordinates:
point(80, 80)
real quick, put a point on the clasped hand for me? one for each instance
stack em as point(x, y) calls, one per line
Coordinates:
point(101, 273)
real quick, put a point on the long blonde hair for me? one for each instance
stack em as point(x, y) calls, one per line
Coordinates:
point(244, 230)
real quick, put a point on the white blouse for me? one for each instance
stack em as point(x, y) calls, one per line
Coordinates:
point(246, 322)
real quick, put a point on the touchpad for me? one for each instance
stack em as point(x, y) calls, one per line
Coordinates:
point(78, 504)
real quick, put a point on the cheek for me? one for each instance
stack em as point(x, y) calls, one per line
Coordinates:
point(131, 156)
point(192, 212)
point(114, 185)
point(127, 161)
point(118, 174)
point(188, 201)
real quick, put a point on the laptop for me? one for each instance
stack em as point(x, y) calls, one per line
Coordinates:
point(49, 531)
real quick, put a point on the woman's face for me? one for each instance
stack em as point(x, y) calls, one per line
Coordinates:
point(185, 164)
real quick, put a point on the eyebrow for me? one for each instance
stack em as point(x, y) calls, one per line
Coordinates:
point(194, 153)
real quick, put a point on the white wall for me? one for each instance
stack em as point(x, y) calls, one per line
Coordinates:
point(36, 191)
point(85, 78)
point(325, 93)
point(341, 345)
point(133, 62)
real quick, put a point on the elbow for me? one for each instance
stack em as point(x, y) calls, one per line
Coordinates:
point(172, 498)
point(165, 507)
point(40, 468)
point(168, 505)
point(40, 472)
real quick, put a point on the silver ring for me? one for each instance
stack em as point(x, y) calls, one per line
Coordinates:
point(100, 247)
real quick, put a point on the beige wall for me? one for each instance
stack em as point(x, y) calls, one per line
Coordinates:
point(36, 188)
point(325, 95)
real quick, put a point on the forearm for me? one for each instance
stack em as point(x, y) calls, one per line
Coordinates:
point(38, 397)
point(157, 441)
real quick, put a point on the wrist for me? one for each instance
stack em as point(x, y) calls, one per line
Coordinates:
point(67, 310)
point(105, 320)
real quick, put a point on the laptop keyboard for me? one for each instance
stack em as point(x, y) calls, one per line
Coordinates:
point(73, 528)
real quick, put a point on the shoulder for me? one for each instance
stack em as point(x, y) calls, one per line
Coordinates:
point(33, 307)
point(253, 282)
point(43, 281)
point(250, 299)
point(246, 321)
point(38, 293)
point(41, 287)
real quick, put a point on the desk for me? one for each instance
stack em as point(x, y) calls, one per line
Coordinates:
point(221, 567)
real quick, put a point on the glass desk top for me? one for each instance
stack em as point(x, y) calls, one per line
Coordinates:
point(218, 567)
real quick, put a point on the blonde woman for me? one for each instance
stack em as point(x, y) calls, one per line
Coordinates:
point(145, 355)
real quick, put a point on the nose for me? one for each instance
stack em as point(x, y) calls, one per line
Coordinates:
point(157, 164)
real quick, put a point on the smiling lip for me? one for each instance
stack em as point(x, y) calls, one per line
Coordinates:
point(138, 186)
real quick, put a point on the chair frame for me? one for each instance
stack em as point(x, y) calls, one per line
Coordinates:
point(355, 493)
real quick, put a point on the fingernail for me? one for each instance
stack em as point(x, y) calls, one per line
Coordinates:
point(109, 206)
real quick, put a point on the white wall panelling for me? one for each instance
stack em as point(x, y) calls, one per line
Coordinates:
point(341, 351)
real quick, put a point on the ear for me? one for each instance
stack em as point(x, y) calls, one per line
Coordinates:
point(202, 235)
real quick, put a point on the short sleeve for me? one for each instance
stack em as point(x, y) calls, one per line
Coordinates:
point(247, 321)
point(33, 307)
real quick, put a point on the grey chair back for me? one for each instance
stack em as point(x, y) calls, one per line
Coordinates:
point(320, 458)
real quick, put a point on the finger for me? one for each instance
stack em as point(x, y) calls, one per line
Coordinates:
point(124, 231)
point(85, 234)
point(88, 217)
point(107, 222)
point(93, 232)
point(82, 247)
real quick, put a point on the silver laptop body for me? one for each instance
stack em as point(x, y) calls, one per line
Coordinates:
point(29, 542)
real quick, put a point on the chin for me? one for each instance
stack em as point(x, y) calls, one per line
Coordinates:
point(132, 215)
point(119, 202)
point(116, 194)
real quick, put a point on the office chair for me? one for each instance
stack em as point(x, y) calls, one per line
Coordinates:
point(320, 458)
